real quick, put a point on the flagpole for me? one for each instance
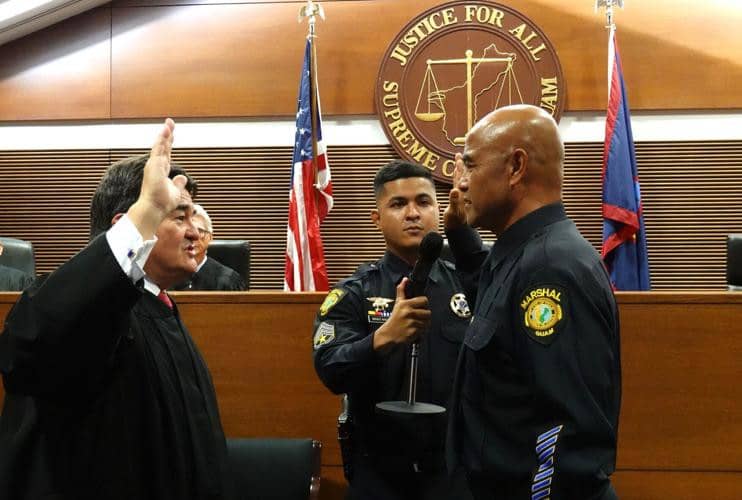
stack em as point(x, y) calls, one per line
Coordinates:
point(311, 10)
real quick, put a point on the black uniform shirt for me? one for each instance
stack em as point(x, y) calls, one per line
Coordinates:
point(538, 382)
point(347, 363)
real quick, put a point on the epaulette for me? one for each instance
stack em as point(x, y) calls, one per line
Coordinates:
point(447, 263)
point(361, 272)
point(366, 268)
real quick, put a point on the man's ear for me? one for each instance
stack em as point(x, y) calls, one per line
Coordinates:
point(518, 166)
point(116, 218)
point(375, 217)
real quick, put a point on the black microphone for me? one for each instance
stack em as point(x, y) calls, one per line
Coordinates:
point(429, 251)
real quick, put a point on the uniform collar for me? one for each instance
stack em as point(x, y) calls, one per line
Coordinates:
point(398, 268)
point(524, 229)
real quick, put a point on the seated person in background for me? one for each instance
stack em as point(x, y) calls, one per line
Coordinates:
point(362, 337)
point(107, 396)
point(210, 274)
point(11, 279)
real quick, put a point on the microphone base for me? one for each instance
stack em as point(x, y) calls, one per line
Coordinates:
point(405, 408)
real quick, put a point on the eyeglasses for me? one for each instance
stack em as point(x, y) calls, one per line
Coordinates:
point(202, 232)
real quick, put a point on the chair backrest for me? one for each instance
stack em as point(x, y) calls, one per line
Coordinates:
point(734, 262)
point(275, 468)
point(234, 254)
point(18, 254)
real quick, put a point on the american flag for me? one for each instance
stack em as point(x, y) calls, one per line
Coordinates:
point(310, 198)
point(624, 248)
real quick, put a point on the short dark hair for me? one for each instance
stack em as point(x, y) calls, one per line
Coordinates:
point(399, 169)
point(119, 189)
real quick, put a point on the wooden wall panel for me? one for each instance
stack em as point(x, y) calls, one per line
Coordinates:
point(690, 192)
point(203, 58)
point(678, 435)
point(60, 72)
point(253, 71)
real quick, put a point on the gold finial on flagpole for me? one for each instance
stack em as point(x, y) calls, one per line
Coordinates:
point(608, 4)
point(311, 10)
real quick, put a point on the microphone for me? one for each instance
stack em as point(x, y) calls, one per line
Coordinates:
point(429, 251)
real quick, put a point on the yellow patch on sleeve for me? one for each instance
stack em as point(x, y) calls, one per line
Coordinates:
point(331, 300)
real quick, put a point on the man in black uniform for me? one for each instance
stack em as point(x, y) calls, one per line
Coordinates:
point(107, 396)
point(362, 337)
point(538, 384)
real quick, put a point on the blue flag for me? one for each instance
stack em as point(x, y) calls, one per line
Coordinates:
point(624, 248)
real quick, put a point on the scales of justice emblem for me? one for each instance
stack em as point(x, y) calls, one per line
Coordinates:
point(453, 64)
point(435, 98)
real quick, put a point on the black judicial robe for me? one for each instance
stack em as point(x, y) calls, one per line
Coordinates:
point(214, 275)
point(107, 396)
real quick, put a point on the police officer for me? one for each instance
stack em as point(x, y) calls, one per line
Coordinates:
point(538, 384)
point(362, 337)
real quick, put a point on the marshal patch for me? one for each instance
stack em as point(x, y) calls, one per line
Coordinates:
point(381, 309)
point(324, 334)
point(331, 300)
point(543, 312)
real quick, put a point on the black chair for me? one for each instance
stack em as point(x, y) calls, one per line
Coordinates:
point(734, 262)
point(275, 469)
point(234, 254)
point(18, 254)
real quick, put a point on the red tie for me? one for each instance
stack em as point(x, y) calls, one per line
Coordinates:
point(165, 299)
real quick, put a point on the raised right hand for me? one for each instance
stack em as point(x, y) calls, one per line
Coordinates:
point(455, 215)
point(409, 319)
point(159, 194)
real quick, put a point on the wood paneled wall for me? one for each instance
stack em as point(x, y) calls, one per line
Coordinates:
point(690, 192)
point(200, 58)
point(679, 434)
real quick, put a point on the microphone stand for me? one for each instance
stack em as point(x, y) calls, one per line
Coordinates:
point(411, 406)
point(431, 249)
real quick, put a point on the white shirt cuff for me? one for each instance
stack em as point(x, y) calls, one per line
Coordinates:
point(130, 250)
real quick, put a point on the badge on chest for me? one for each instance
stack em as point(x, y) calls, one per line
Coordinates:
point(381, 309)
point(460, 306)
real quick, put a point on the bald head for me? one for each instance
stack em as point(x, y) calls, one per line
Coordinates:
point(534, 130)
point(513, 158)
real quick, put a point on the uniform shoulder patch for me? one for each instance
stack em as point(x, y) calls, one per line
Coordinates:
point(324, 334)
point(331, 300)
point(543, 312)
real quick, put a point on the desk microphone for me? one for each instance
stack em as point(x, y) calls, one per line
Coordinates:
point(429, 251)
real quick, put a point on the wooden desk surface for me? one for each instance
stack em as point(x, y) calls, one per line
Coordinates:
point(679, 434)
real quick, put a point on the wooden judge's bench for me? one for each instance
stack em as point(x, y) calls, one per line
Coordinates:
point(680, 434)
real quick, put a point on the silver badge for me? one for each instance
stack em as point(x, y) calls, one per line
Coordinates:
point(460, 306)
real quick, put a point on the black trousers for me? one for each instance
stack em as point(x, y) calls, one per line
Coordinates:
point(377, 479)
point(484, 488)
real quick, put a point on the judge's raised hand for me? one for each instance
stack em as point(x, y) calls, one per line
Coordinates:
point(159, 194)
point(455, 213)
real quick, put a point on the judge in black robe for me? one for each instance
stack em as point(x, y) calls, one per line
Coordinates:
point(107, 396)
point(213, 276)
point(210, 274)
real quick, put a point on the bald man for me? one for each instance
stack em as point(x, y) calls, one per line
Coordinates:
point(538, 383)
